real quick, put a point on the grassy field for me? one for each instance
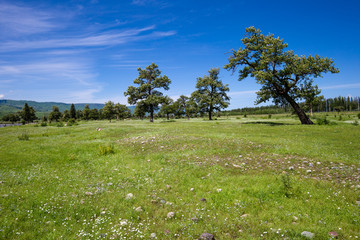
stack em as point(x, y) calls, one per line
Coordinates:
point(236, 178)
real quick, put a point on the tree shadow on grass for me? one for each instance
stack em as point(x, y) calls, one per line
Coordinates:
point(268, 123)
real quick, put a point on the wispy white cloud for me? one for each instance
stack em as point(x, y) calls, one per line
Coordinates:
point(351, 85)
point(2, 95)
point(103, 39)
point(24, 20)
point(72, 70)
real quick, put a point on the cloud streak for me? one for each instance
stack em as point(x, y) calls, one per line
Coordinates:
point(99, 40)
point(351, 85)
point(24, 20)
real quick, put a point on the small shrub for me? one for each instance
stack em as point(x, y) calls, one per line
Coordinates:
point(43, 124)
point(340, 117)
point(358, 115)
point(105, 150)
point(287, 185)
point(355, 123)
point(269, 116)
point(244, 115)
point(324, 121)
point(60, 124)
point(238, 117)
point(24, 137)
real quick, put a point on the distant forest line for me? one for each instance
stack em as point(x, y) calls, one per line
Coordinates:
point(337, 104)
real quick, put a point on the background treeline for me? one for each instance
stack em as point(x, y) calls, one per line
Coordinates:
point(337, 104)
point(61, 112)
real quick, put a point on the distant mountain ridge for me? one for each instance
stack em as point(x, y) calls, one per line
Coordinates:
point(13, 106)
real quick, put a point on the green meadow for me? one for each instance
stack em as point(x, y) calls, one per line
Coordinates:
point(264, 177)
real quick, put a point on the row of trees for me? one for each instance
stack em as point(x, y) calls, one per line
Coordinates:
point(209, 97)
point(109, 111)
point(285, 77)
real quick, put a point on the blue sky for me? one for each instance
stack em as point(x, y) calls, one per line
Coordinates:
point(80, 51)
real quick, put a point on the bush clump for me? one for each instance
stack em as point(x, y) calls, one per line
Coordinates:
point(324, 121)
point(24, 137)
point(105, 150)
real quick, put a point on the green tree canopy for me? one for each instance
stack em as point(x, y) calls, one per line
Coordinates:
point(210, 95)
point(72, 111)
point(167, 107)
point(108, 110)
point(140, 110)
point(86, 112)
point(147, 93)
point(281, 73)
point(121, 111)
point(55, 115)
point(28, 113)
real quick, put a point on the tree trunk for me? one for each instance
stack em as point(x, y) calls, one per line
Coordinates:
point(151, 113)
point(299, 111)
point(210, 115)
point(167, 117)
point(311, 110)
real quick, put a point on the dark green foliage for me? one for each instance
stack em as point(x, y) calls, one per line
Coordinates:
point(324, 121)
point(27, 113)
point(55, 115)
point(121, 111)
point(86, 112)
point(185, 106)
point(147, 93)
point(210, 95)
point(108, 110)
point(287, 185)
point(284, 76)
point(355, 123)
point(94, 114)
point(66, 116)
point(167, 107)
point(140, 110)
point(11, 117)
point(358, 115)
point(72, 111)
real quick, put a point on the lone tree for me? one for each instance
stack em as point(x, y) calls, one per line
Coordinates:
point(72, 111)
point(211, 94)
point(146, 94)
point(28, 113)
point(281, 73)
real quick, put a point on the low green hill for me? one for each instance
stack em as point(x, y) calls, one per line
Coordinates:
point(13, 106)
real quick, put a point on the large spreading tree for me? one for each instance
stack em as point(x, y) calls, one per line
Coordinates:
point(210, 95)
point(281, 73)
point(147, 94)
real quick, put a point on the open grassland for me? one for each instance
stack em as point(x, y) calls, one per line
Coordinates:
point(234, 178)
